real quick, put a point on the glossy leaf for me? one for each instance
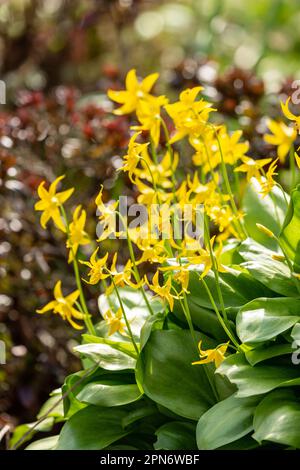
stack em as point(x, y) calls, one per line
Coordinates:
point(92, 428)
point(259, 379)
point(277, 419)
point(226, 422)
point(264, 319)
point(290, 235)
point(176, 435)
point(168, 376)
point(107, 395)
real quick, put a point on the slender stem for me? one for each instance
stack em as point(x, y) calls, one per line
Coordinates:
point(137, 274)
point(88, 323)
point(292, 167)
point(239, 224)
point(125, 317)
point(223, 324)
point(170, 150)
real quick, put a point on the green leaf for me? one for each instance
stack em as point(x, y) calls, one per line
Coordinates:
point(277, 419)
point(290, 234)
point(272, 273)
point(58, 410)
point(106, 395)
point(264, 319)
point(124, 347)
point(176, 435)
point(269, 211)
point(106, 356)
point(92, 428)
point(168, 376)
point(22, 430)
point(259, 379)
point(263, 353)
point(226, 422)
point(47, 443)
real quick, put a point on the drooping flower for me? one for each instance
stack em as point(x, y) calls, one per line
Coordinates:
point(267, 182)
point(77, 234)
point(114, 321)
point(63, 306)
point(204, 257)
point(97, 267)
point(216, 355)
point(163, 291)
point(189, 116)
point(133, 157)
point(252, 167)
point(50, 203)
point(282, 137)
point(148, 114)
point(135, 92)
point(289, 115)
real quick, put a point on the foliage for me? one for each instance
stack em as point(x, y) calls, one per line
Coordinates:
point(202, 354)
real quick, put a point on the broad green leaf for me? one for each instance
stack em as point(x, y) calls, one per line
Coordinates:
point(27, 431)
point(106, 356)
point(176, 435)
point(290, 234)
point(139, 413)
point(263, 353)
point(264, 319)
point(295, 333)
point(92, 428)
point(124, 347)
point(168, 376)
point(47, 443)
point(277, 419)
point(272, 273)
point(269, 211)
point(58, 410)
point(259, 379)
point(226, 422)
point(107, 395)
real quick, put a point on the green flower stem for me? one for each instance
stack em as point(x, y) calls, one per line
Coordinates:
point(239, 224)
point(217, 282)
point(223, 324)
point(292, 167)
point(135, 268)
point(87, 319)
point(125, 317)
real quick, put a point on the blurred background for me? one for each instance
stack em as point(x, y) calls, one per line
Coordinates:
point(57, 60)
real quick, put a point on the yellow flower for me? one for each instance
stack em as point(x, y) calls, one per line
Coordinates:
point(133, 156)
point(98, 270)
point(181, 275)
point(252, 167)
point(148, 113)
point(189, 116)
point(77, 234)
point(107, 216)
point(64, 306)
point(216, 355)
point(207, 148)
point(267, 183)
point(50, 203)
point(289, 115)
point(134, 93)
point(163, 291)
point(122, 277)
point(204, 258)
point(282, 136)
point(114, 321)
